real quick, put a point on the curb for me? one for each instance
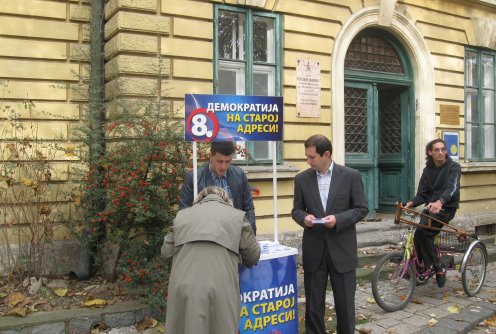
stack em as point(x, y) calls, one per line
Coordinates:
point(75, 321)
point(462, 322)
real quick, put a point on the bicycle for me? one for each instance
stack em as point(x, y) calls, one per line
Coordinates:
point(397, 274)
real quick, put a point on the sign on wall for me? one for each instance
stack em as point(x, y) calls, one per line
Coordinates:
point(233, 118)
point(449, 114)
point(307, 88)
point(452, 145)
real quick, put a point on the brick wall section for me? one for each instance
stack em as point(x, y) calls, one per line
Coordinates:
point(44, 53)
point(133, 32)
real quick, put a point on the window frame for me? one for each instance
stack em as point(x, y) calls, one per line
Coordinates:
point(250, 65)
point(480, 154)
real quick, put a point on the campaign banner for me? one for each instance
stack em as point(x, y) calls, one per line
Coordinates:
point(233, 118)
point(269, 301)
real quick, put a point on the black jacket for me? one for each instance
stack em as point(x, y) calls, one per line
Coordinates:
point(440, 183)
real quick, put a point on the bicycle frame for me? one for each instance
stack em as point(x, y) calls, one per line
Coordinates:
point(398, 273)
point(410, 254)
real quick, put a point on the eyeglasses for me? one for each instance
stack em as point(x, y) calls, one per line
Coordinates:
point(442, 149)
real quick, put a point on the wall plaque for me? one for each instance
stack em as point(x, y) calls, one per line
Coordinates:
point(307, 88)
point(449, 114)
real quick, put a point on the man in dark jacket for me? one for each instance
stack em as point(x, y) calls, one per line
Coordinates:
point(329, 201)
point(439, 190)
point(221, 173)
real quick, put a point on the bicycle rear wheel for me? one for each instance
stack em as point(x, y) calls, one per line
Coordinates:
point(393, 282)
point(474, 269)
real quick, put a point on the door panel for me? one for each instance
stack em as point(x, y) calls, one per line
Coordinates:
point(393, 139)
point(360, 142)
point(376, 141)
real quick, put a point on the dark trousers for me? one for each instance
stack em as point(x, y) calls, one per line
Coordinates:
point(424, 238)
point(343, 287)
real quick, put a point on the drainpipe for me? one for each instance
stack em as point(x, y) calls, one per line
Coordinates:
point(96, 112)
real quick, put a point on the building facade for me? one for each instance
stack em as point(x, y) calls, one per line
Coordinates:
point(380, 78)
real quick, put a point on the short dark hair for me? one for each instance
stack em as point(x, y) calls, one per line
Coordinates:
point(223, 147)
point(429, 161)
point(320, 142)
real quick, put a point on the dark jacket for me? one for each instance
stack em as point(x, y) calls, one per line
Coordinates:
point(237, 181)
point(346, 202)
point(440, 183)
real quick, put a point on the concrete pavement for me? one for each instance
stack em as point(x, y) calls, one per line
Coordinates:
point(430, 305)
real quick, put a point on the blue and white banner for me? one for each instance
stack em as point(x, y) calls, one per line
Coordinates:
point(233, 118)
point(269, 301)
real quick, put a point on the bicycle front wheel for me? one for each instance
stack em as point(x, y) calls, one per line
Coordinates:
point(474, 269)
point(393, 282)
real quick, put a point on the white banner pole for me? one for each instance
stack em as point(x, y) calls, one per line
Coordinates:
point(274, 187)
point(195, 171)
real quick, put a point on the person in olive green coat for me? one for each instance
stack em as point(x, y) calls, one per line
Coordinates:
point(208, 241)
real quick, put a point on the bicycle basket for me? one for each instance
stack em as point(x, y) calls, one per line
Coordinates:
point(453, 242)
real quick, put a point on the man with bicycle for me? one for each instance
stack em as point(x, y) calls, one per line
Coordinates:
point(439, 190)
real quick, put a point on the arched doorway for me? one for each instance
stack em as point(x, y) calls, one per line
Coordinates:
point(379, 117)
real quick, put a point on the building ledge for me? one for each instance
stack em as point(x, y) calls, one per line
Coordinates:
point(478, 167)
point(265, 172)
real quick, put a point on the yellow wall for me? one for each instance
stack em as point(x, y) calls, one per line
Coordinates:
point(43, 54)
point(166, 47)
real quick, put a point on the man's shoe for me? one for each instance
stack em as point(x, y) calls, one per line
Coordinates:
point(441, 277)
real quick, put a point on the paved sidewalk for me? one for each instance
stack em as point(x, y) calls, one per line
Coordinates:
point(431, 302)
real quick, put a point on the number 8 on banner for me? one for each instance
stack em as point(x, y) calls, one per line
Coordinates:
point(202, 125)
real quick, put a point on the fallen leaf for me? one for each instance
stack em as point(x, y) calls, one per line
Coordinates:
point(431, 322)
point(364, 331)
point(96, 303)
point(329, 318)
point(432, 315)
point(69, 151)
point(26, 181)
point(15, 298)
point(145, 323)
point(361, 317)
point(371, 300)
point(160, 328)
point(61, 292)
point(454, 309)
point(491, 321)
point(417, 301)
point(19, 312)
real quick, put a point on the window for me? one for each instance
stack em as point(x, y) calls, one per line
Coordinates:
point(247, 61)
point(480, 126)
